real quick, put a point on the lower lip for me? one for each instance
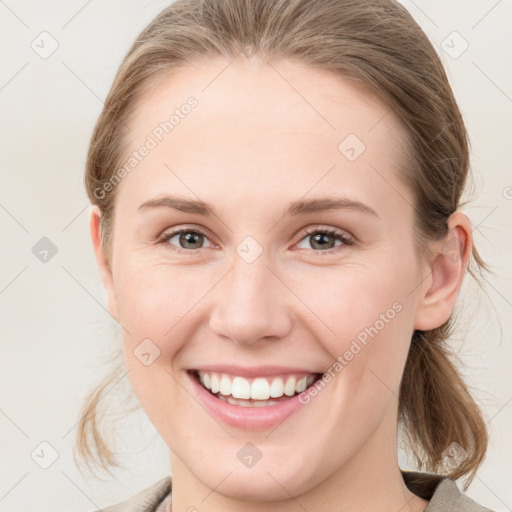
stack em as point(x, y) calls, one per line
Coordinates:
point(247, 418)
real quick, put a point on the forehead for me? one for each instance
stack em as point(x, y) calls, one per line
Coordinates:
point(277, 131)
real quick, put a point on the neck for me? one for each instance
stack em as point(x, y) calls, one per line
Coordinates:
point(370, 480)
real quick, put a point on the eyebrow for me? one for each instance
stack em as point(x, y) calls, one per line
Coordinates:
point(300, 207)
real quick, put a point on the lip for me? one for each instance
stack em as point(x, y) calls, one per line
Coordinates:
point(247, 418)
point(255, 371)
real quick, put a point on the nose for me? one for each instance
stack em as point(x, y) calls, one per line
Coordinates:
point(251, 304)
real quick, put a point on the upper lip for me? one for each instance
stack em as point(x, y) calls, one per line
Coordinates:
point(254, 371)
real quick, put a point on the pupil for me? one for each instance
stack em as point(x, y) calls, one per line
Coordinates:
point(318, 237)
point(189, 238)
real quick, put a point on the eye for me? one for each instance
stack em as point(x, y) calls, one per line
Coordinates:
point(325, 238)
point(187, 239)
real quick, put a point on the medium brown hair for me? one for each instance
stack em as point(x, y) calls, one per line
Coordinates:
point(378, 44)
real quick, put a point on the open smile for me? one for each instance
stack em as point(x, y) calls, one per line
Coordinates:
point(251, 403)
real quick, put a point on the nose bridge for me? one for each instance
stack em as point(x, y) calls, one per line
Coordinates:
point(250, 280)
point(251, 304)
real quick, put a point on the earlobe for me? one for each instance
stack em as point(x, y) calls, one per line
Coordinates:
point(103, 266)
point(441, 289)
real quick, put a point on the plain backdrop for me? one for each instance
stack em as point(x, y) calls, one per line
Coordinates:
point(58, 60)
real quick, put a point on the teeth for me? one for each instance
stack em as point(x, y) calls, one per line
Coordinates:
point(225, 385)
point(245, 403)
point(215, 382)
point(260, 388)
point(301, 385)
point(276, 388)
point(241, 388)
point(289, 387)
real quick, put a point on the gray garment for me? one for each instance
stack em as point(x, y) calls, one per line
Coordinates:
point(148, 500)
point(442, 493)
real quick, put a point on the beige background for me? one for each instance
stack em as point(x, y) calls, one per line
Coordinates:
point(54, 326)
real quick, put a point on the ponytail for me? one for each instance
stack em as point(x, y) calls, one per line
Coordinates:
point(444, 427)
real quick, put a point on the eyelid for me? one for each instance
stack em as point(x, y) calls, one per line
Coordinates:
point(184, 227)
point(327, 229)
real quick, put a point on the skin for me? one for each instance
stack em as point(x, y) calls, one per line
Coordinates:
point(252, 146)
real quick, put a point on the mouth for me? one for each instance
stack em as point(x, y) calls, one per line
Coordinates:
point(253, 392)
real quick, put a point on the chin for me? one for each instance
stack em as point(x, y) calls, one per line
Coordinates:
point(267, 481)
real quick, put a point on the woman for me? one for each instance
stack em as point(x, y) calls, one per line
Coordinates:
point(276, 189)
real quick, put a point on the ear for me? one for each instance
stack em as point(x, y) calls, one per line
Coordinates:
point(440, 289)
point(103, 266)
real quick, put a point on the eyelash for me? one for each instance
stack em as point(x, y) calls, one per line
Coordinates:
point(338, 235)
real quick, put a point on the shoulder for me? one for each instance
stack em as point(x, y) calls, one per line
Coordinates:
point(146, 500)
point(442, 492)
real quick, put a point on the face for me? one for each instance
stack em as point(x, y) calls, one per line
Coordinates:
point(268, 283)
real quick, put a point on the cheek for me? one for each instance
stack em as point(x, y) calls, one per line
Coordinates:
point(350, 300)
point(155, 303)
point(366, 316)
point(153, 299)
